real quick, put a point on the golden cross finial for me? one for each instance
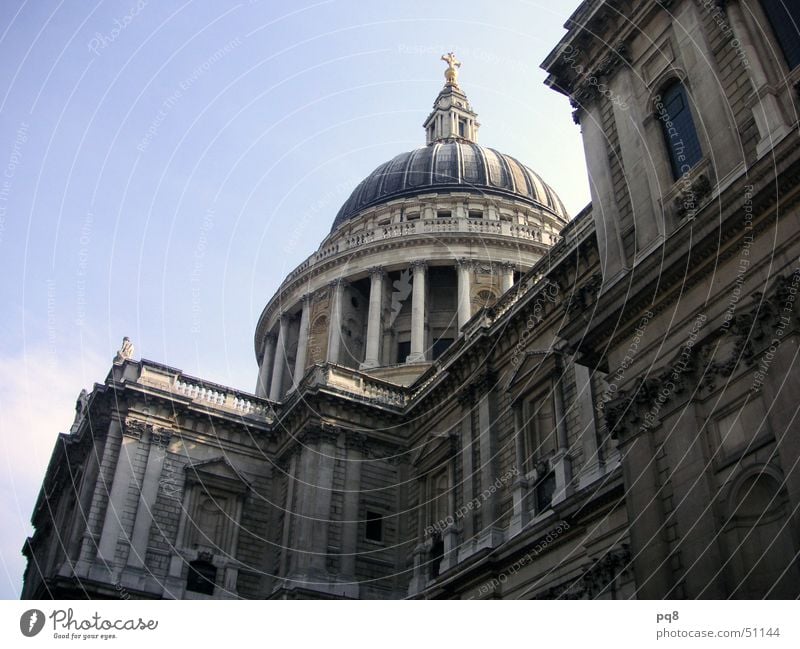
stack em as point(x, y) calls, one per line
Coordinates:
point(451, 74)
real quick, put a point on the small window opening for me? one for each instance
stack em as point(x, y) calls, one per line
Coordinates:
point(403, 351)
point(374, 527)
point(202, 577)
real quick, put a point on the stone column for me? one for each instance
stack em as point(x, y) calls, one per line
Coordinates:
point(159, 440)
point(305, 487)
point(465, 400)
point(267, 359)
point(604, 204)
point(491, 535)
point(506, 276)
point(519, 487)
point(418, 297)
point(645, 506)
point(464, 308)
point(95, 521)
point(276, 386)
point(561, 460)
point(123, 474)
point(419, 577)
point(335, 322)
point(350, 514)
point(302, 341)
point(289, 514)
point(374, 320)
point(636, 155)
point(321, 504)
point(767, 112)
point(591, 453)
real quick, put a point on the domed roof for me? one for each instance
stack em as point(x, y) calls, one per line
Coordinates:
point(450, 165)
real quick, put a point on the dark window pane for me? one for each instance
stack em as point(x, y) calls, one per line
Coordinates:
point(439, 346)
point(784, 16)
point(680, 136)
point(544, 492)
point(374, 527)
point(403, 350)
point(202, 576)
point(436, 555)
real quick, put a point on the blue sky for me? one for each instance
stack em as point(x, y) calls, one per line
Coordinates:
point(163, 165)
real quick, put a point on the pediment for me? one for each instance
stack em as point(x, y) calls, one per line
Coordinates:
point(437, 445)
point(533, 367)
point(217, 472)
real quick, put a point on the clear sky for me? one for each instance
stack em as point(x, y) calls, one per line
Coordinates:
point(163, 165)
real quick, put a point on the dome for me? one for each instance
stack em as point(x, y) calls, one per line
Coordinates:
point(439, 233)
point(450, 165)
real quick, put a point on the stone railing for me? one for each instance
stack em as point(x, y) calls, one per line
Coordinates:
point(353, 382)
point(223, 398)
point(510, 298)
point(420, 227)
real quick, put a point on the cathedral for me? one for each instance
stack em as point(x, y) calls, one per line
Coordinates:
point(466, 392)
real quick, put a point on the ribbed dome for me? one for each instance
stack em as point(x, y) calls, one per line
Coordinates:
point(445, 166)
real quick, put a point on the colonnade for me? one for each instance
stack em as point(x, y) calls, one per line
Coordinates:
point(274, 356)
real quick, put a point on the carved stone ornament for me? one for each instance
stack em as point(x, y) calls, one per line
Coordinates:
point(134, 428)
point(125, 351)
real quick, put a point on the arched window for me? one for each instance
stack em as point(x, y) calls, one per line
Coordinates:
point(680, 135)
point(784, 17)
point(763, 553)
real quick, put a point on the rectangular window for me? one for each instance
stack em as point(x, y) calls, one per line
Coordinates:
point(374, 527)
point(413, 216)
point(462, 127)
point(475, 214)
point(545, 487)
point(784, 16)
point(680, 135)
point(202, 577)
point(443, 214)
point(403, 351)
point(440, 346)
point(439, 499)
point(540, 429)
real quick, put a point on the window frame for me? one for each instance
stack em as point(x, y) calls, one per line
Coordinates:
point(778, 35)
point(380, 518)
point(667, 123)
point(200, 582)
point(532, 442)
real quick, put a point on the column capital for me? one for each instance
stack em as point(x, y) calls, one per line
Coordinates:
point(135, 428)
point(270, 338)
point(284, 317)
point(339, 282)
point(419, 265)
point(380, 271)
point(306, 298)
point(463, 262)
point(161, 436)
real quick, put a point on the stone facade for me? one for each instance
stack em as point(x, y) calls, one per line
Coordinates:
point(608, 412)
